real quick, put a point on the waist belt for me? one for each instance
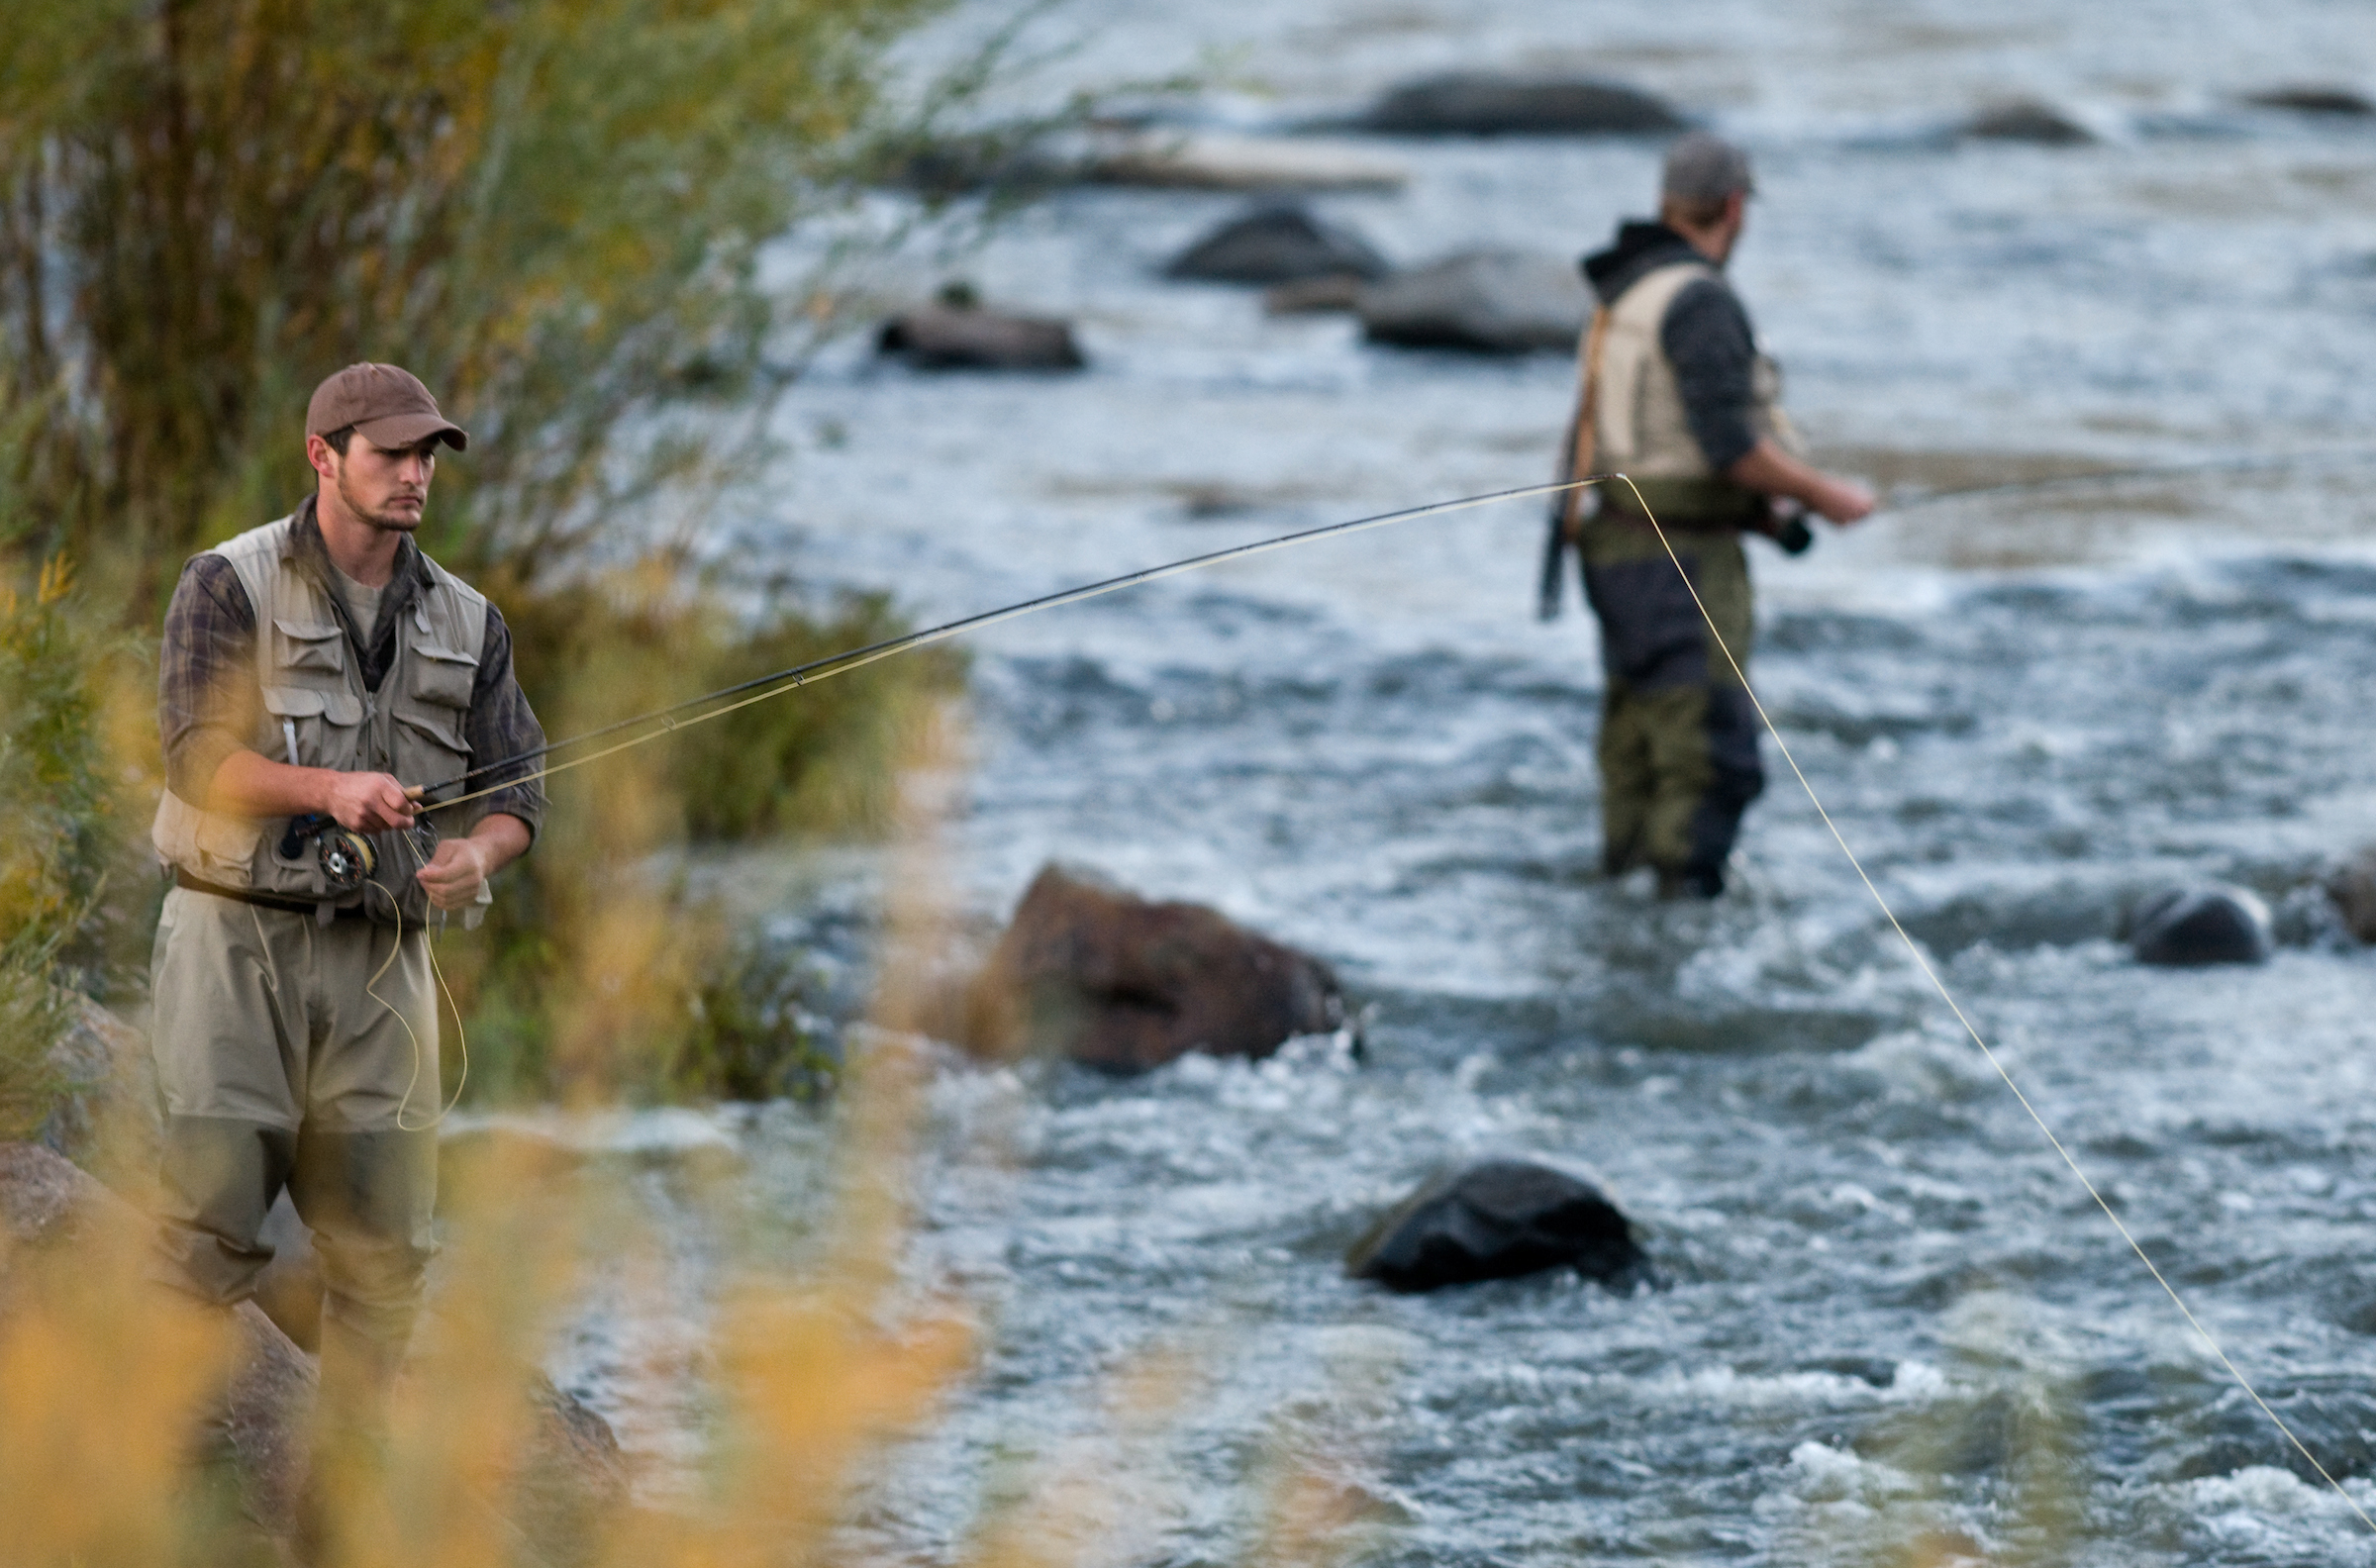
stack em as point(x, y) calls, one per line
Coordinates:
point(182, 879)
point(1699, 505)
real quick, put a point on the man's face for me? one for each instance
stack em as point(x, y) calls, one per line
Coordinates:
point(384, 487)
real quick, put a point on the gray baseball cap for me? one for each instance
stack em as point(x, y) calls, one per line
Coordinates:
point(1704, 168)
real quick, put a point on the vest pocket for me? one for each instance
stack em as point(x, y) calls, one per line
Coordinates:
point(329, 723)
point(310, 646)
point(443, 675)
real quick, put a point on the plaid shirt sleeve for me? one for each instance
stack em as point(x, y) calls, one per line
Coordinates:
point(502, 724)
point(206, 691)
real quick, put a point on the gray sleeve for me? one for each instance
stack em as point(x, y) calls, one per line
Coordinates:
point(1707, 339)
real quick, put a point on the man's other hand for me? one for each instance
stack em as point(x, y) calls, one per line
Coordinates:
point(370, 802)
point(1841, 500)
point(456, 873)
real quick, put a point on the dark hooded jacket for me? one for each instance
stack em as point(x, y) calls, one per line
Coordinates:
point(1706, 336)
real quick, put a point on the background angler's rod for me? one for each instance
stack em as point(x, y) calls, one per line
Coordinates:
point(761, 687)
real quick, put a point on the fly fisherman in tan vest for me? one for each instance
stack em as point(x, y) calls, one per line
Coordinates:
point(1674, 393)
point(313, 669)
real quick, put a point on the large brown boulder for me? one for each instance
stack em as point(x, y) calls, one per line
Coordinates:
point(1093, 972)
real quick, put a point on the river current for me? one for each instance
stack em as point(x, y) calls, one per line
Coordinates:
point(1893, 1315)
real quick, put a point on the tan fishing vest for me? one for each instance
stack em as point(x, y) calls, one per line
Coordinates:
point(316, 713)
point(1639, 423)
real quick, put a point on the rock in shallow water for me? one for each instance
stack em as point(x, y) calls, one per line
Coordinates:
point(1496, 1220)
point(2353, 890)
point(2209, 924)
point(1277, 245)
point(1483, 301)
point(1486, 103)
point(947, 336)
point(2028, 120)
point(1114, 981)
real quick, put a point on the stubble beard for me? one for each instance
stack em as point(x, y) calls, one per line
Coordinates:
point(387, 522)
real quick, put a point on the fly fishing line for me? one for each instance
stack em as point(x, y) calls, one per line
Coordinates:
point(1938, 984)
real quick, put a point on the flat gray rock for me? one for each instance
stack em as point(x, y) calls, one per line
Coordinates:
point(1480, 301)
point(1277, 245)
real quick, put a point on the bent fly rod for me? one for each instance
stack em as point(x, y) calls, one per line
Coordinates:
point(726, 699)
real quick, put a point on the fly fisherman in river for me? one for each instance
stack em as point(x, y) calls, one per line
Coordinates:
point(1674, 393)
point(311, 669)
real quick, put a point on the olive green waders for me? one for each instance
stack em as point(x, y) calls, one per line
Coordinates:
point(279, 1068)
point(1678, 745)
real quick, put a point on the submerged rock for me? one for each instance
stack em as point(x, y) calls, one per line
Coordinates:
point(1496, 1220)
point(1488, 103)
point(2207, 923)
point(957, 334)
point(2028, 120)
point(1114, 981)
point(1313, 296)
point(1483, 301)
point(1277, 245)
point(2353, 890)
point(2317, 100)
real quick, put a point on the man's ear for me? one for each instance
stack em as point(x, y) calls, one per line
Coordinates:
point(323, 456)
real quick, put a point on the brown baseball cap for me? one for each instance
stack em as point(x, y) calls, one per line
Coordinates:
point(386, 401)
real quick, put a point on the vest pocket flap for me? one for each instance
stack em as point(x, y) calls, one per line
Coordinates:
point(303, 702)
point(311, 645)
point(443, 728)
point(443, 675)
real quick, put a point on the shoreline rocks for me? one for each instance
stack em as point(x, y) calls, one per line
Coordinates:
point(1491, 103)
point(1277, 244)
point(1092, 973)
point(1499, 1219)
point(1483, 301)
point(2209, 923)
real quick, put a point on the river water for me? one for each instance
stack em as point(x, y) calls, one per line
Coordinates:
point(1894, 1316)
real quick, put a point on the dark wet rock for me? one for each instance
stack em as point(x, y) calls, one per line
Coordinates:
point(957, 334)
point(2317, 100)
point(50, 1206)
point(1313, 296)
point(2207, 923)
point(2028, 120)
point(2353, 890)
point(1488, 103)
point(1482, 301)
point(106, 1117)
point(1093, 972)
point(1277, 245)
point(1496, 1220)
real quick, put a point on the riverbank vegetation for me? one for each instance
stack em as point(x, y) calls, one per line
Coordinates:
point(556, 214)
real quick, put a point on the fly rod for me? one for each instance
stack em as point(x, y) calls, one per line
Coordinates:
point(716, 703)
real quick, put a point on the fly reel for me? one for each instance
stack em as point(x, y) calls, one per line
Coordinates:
point(343, 856)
